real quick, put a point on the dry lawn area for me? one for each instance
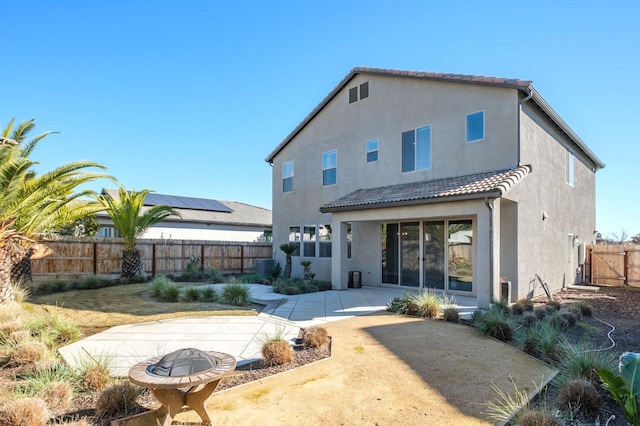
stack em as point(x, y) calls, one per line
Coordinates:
point(386, 369)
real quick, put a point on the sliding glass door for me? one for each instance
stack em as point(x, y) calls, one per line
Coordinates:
point(434, 254)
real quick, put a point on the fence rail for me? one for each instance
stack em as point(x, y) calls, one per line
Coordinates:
point(613, 265)
point(72, 257)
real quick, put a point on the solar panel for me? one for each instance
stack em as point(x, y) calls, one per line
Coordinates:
point(186, 203)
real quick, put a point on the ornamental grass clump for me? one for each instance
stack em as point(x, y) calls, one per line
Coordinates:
point(191, 294)
point(54, 329)
point(582, 361)
point(494, 322)
point(235, 294)
point(117, 399)
point(57, 395)
point(527, 304)
point(24, 412)
point(208, 295)
point(314, 337)
point(580, 396)
point(450, 315)
point(275, 349)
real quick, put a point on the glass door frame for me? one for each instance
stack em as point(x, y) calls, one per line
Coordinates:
point(422, 260)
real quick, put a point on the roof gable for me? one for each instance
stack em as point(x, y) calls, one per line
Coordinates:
point(524, 86)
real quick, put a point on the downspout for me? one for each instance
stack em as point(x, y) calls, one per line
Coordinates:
point(525, 99)
point(489, 205)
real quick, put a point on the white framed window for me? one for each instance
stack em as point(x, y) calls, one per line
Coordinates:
point(329, 166)
point(372, 150)
point(309, 241)
point(569, 168)
point(416, 149)
point(324, 236)
point(287, 176)
point(475, 126)
point(294, 238)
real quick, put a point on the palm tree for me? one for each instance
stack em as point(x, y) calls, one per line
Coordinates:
point(288, 249)
point(126, 212)
point(32, 205)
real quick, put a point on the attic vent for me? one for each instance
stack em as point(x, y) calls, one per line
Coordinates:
point(353, 95)
point(364, 92)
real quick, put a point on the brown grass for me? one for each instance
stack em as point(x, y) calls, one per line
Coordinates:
point(24, 412)
point(314, 337)
point(27, 353)
point(57, 394)
point(117, 399)
point(276, 352)
point(99, 309)
point(96, 377)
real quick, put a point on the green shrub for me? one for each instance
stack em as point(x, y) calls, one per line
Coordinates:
point(191, 294)
point(209, 294)
point(517, 309)
point(581, 361)
point(323, 285)
point(88, 282)
point(235, 294)
point(158, 286)
point(250, 279)
point(585, 308)
point(290, 290)
point(53, 328)
point(426, 303)
point(274, 273)
point(214, 276)
point(552, 305)
point(398, 305)
point(494, 322)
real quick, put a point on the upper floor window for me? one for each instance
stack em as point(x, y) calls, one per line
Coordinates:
point(329, 164)
point(475, 126)
point(569, 168)
point(416, 149)
point(372, 150)
point(364, 92)
point(287, 176)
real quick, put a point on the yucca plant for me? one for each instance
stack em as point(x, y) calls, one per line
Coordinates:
point(129, 216)
point(33, 205)
point(288, 249)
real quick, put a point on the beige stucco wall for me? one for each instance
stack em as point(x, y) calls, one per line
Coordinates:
point(542, 245)
point(394, 105)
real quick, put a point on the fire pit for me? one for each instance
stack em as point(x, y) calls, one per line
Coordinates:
point(184, 377)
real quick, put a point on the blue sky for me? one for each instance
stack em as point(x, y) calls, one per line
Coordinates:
point(189, 97)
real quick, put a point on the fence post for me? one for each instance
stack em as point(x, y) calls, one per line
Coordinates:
point(153, 260)
point(242, 259)
point(626, 266)
point(95, 258)
point(202, 257)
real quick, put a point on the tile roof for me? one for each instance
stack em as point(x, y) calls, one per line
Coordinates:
point(472, 186)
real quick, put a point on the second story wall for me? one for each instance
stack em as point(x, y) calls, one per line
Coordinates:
point(360, 133)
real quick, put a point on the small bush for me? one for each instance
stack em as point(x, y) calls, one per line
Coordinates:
point(556, 319)
point(585, 309)
point(323, 285)
point(494, 323)
point(54, 328)
point(398, 305)
point(314, 337)
point(575, 310)
point(50, 286)
point(450, 315)
point(235, 294)
point(580, 396)
point(529, 319)
point(582, 362)
point(57, 394)
point(171, 293)
point(552, 305)
point(570, 317)
point(214, 276)
point(290, 290)
point(191, 294)
point(501, 305)
point(540, 313)
point(94, 377)
point(250, 279)
point(20, 293)
point(527, 304)
point(89, 282)
point(158, 286)
point(517, 309)
point(26, 353)
point(424, 304)
point(119, 398)
point(25, 412)
point(529, 417)
point(208, 295)
point(276, 351)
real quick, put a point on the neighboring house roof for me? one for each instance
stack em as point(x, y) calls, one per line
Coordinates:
point(205, 210)
point(479, 185)
point(524, 86)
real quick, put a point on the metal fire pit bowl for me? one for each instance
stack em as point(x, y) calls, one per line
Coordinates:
point(184, 377)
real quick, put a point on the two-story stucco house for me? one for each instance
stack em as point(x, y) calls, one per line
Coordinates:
point(421, 180)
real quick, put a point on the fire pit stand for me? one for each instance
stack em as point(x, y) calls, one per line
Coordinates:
point(184, 377)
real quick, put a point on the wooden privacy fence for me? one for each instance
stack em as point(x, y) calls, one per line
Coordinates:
point(73, 257)
point(613, 265)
